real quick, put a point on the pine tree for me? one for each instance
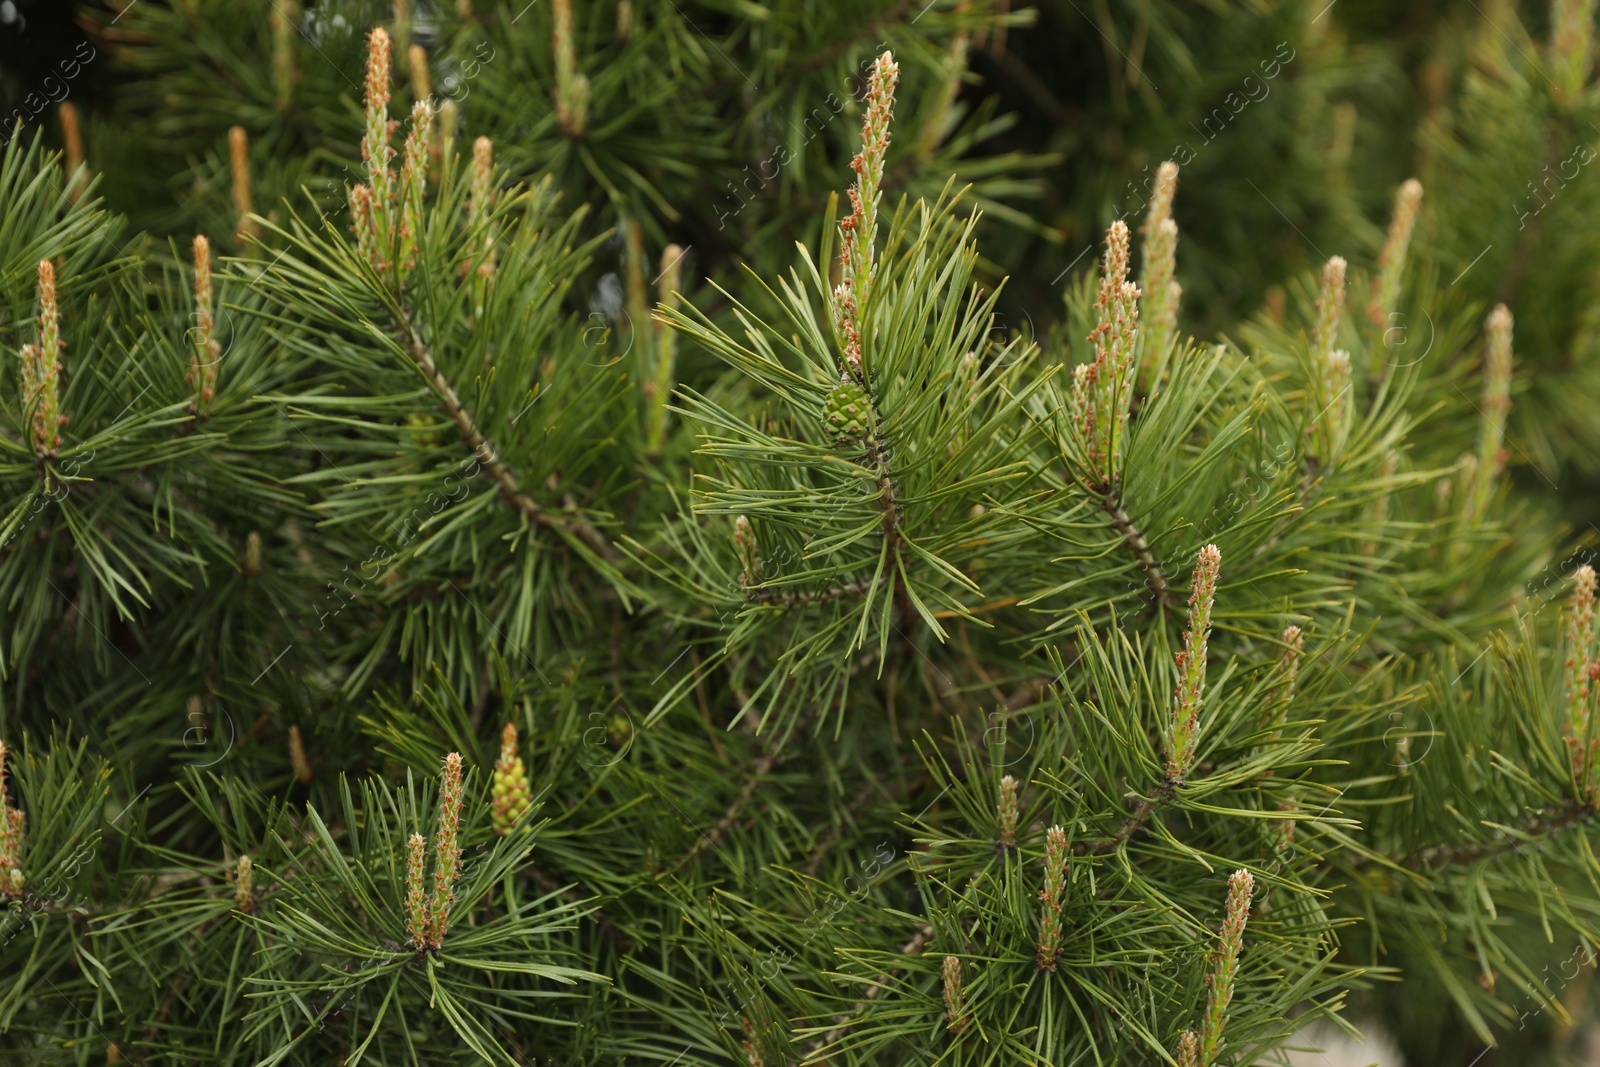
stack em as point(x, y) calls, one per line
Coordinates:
point(528, 538)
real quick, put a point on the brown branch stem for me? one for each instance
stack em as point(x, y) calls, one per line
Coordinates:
point(485, 452)
point(1132, 824)
point(1155, 579)
point(913, 947)
point(758, 774)
point(1548, 821)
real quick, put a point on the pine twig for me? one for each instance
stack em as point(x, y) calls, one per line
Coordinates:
point(486, 453)
point(837, 49)
point(847, 591)
point(758, 774)
point(1132, 824)
point(1155, 579)
point(1547, 822)
point(913, 947)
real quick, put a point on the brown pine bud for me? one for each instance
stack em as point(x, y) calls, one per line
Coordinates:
point(421, 83)
point(446, 850)
point(239, 163)
point(244, 885)
point(297, 757)
point(285, 29)
point(1008, 808)
point(417, 915)
point(954, 996)
point(72, 141)
point(1051, 897)
point(1192, 665)
point(41, 369)
point(252, 555)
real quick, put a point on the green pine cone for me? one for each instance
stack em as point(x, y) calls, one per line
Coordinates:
point(848, 414)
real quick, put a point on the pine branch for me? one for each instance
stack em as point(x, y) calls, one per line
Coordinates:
point(888, 502)
point(1548, 821)
point(828, 55)
point(1132, 824)
point(1155, 579)
point(485, 452)
point(758, 774)
point(820, 853)
point(847, 591)
point(918, 942)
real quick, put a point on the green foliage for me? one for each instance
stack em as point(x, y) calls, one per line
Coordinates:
point(881, 696)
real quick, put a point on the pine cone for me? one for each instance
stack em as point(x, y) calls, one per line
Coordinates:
point(848, 414)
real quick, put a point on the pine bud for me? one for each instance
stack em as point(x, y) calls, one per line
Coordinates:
point(1112, 379)
point(482, 178)
point(511, 797)
point(1331, 365)
point(859, 229)
point(1189, 1050)
point(464, 9)
point(1192, 665)
point(414, 181)
point(402, 24)
point(954, 996)
point(671, 280)
point(1281, 832)
point(365, 225)
point(1221, 981)
point(1333, 404)
point(846, 316)
point(417, 921)
point(481, 200)
point(1571, 49)
point(449, 114)
point(847, 414)
point(446, 850)
point(207, 352)
point(572, 88)
point(1496, 405)
point(375, 146)
point(12, 824)
point(1378, 512)
point(239, 163)
point(1051, 897)
point(421, 83)
point(1159, 316)
point(284, 15)
point(41, 369)
point(252, 555)
point(297, 757)
point(749, 553)
point(1580, 678)
point(1392, 260)
point(72, 140)
point(1085, 422)
point(1008, 812)
point(1294, 644)
point(244, 886)
point(752, 1053)
point(1330, 306)
point(624, 21)
point(937, 124)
